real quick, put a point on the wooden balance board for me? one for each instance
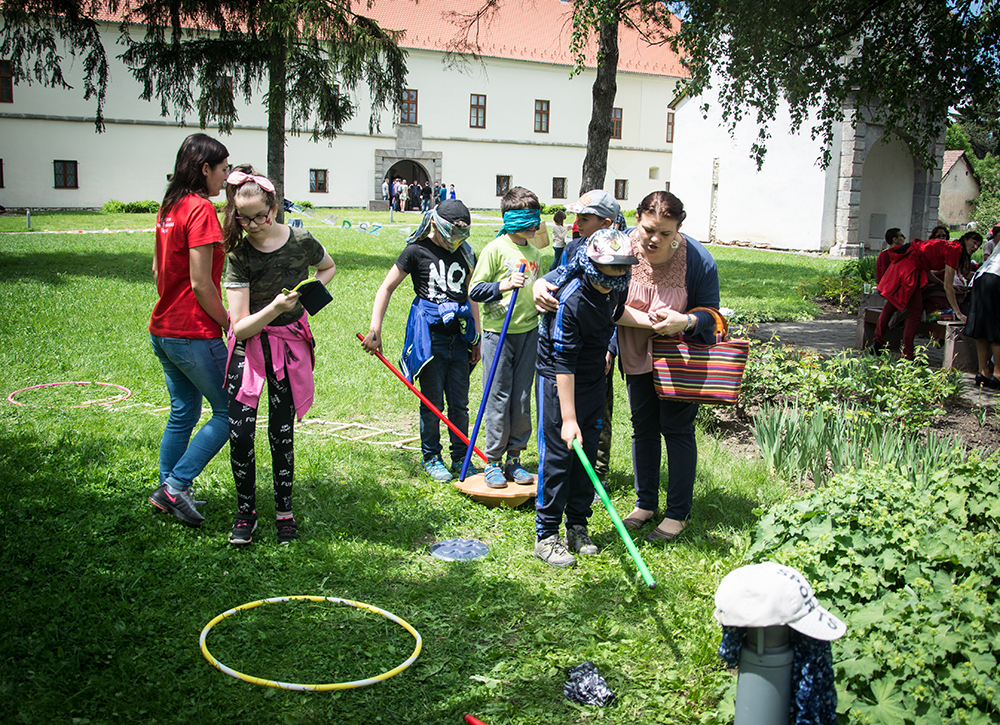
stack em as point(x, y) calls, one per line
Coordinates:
point(513, 496)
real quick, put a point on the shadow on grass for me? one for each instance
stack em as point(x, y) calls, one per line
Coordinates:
point(55, 268)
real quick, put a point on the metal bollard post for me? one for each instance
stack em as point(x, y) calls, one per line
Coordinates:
point(764, 687)
point(27, 213)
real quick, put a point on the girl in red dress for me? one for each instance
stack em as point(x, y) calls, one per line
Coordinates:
point(907, 274)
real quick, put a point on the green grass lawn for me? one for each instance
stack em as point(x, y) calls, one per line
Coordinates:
point(105, 597)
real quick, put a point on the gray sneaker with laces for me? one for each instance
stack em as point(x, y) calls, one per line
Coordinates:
point(578, 540)
point(179, 504)
point(553, 552)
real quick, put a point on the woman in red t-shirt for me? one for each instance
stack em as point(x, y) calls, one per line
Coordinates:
point(907, 274)
point(188, 321)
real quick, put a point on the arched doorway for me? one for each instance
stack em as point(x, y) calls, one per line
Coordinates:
point(409, 171)
point(886, 193)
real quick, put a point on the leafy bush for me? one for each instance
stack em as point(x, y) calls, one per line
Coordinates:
point(305, 204)
point(861, 269)
point(911, 563)
point(552, 208)
point(909, 395)
point(142, 207)
point(113, 206)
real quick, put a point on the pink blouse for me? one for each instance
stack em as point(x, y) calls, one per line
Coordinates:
point(651, 288)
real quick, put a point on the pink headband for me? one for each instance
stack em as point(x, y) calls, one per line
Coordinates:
point(238, 177)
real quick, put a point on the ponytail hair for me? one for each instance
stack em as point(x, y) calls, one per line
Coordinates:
point(662, 203)
point(197, 150)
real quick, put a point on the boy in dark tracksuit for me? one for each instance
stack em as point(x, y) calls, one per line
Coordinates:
point(572, 345)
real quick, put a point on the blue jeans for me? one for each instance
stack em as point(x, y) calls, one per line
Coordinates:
point(447, 374)
point(193, 369)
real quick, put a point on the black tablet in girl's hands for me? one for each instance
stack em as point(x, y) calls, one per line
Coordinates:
point(313, 295)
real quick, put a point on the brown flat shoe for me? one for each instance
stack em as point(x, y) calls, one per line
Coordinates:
point(659, 534)
point(634, 523)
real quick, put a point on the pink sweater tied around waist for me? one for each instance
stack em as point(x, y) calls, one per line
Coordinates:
point(293, 356)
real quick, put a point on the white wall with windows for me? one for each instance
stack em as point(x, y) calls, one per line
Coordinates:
point(132, 158)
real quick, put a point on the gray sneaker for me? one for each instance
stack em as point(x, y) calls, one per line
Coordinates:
point(578, 540)
point(552, 551)
point(180, 505)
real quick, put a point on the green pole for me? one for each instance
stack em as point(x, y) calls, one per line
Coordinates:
point(615, 518)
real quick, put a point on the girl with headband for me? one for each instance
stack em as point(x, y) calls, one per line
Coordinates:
point(270, 341)
point(188, 321)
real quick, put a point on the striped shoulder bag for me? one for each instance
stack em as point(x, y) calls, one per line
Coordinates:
point(698, 373)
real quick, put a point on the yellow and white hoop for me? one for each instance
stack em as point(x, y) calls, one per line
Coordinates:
point(313, 688)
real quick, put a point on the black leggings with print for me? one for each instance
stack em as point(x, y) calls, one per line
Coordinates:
point(243, 429)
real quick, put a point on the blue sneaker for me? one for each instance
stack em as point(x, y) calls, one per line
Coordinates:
point(456, 469)
point(515, 472)
point(436, 470)
point(494, 475)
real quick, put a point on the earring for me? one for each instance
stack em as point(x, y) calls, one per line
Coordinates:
point(674, 244)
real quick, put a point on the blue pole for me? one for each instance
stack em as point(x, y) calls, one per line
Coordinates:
point(489, 380)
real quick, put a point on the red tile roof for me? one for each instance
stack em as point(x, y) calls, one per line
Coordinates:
point(532, 30)
point(950, 159)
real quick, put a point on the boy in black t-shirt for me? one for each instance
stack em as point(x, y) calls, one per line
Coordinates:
point(572, 343)
point(442, 331)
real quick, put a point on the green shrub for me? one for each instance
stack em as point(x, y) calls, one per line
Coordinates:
point(113, 206)
point(219, 206)
point(861, 269)
point(305, 204)
point(911, 564)
point(142, 207)
point(909, 395)
point(552, 208)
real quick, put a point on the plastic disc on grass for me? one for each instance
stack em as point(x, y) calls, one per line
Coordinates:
point(459, 550)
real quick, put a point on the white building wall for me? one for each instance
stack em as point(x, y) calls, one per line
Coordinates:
point(132, 158)
point(781, 205)
point(957, 188)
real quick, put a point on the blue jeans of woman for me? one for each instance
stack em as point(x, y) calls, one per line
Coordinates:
point(446, 375)
point(194, 369)
point(674, 420)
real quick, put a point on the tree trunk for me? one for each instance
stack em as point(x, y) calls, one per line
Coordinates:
point(276, 123)
point(595, 163)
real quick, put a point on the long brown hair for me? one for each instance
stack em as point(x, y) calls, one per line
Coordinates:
point(197, 150)
point(965, 261)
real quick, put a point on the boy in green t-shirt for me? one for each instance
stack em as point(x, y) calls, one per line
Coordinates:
point(507, 418)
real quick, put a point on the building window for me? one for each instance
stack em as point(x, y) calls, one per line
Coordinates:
point(616, 123)
point(317, 180)
point(221, 96)
point(409, 111)
point(6, 82)
point(670, 126)
point(621, 188)
point(503, 185)
point(559, 187)
point(477, 111)
point(541, 116)
point(65, 174)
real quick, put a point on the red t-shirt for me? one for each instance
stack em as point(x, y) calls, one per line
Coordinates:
point(191, 223)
